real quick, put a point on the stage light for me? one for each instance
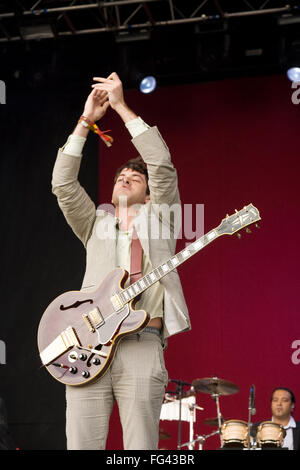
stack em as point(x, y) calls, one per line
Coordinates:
point(148, 84)
point(39, 31)
point(294, 74)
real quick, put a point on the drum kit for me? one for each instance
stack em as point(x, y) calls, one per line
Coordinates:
point(181, 406)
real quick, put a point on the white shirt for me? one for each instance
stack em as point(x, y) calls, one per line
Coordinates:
point(288, 441)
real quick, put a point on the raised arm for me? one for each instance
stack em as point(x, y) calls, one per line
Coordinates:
point(76, 205)
point(163, 182)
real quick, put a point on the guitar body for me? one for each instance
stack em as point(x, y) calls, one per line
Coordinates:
point(79, 332)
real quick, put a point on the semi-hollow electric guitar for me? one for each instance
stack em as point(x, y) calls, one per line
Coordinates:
point(79, 332)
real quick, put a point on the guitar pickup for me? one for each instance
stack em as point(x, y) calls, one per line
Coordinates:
point(93, 319)
point(117, 302)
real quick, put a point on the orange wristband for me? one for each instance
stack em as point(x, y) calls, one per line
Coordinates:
point(107, 139)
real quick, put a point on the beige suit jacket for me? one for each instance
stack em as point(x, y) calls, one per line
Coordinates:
point(96, 228)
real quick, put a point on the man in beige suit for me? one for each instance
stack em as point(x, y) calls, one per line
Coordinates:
point(137, 377)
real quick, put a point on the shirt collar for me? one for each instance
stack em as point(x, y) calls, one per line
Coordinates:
point(290, 424)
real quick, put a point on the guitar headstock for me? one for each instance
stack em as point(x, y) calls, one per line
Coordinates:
point(240, 219)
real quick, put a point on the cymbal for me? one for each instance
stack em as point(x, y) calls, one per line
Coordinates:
point(214, 421)
point(214, 385)
point(164, 434)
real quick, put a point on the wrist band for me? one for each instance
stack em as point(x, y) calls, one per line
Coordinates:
point(107, 139)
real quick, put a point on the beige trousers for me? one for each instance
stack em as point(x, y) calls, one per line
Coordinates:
point(136, 380)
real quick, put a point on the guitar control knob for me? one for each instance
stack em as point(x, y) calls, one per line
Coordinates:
point(73, 370)
point(85, 374)
point(96, 361)
point(82, 357)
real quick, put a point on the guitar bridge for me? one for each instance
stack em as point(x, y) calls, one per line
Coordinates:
point(88, 323)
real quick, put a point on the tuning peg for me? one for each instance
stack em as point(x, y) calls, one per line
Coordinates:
point(257, 226)
point(248, 230)
point(239, 236)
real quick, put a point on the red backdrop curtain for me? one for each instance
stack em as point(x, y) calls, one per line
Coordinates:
point(233, 142)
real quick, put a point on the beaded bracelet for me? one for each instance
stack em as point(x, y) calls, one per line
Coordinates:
point(107, 139)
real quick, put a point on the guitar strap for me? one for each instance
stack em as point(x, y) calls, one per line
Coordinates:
point(136, 258)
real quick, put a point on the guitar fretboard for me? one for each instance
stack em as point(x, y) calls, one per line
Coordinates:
point(156, 274)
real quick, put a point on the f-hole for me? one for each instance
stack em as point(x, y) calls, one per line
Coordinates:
point(75, 304)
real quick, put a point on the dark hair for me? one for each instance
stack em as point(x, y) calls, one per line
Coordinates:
point(135, 164)
point(293, 399)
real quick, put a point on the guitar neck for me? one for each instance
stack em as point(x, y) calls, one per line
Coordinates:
point(165, 268)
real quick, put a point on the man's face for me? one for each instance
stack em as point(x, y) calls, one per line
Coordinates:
point(130, 186)
point(281, 404)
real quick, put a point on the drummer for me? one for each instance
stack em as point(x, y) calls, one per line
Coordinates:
point(282, 406)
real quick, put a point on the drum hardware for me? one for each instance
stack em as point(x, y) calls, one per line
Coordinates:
point(251, 412)
point(201, 439)
point(215, 397)
point(193, 407)
point(213, 386)
point(214, 421)
point(179, 392)
point(216, 387)
point(184, 408)
point(234, 433)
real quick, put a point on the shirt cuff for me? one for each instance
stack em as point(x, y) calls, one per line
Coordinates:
point(74, 145)
point(136, 126)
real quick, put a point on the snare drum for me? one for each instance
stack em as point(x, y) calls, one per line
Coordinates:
point(235, 433)
point(270, 434)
